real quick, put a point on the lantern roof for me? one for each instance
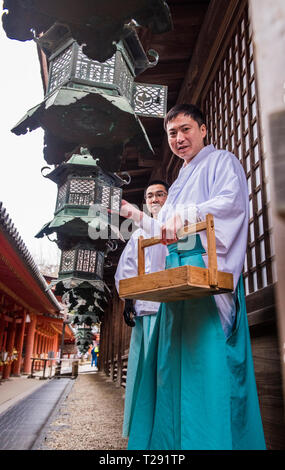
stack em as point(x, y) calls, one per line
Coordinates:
point(58, 37)
point(66, 225)
point(84, 164)
point(72, 282)
point(101, 114)
point(98, 25)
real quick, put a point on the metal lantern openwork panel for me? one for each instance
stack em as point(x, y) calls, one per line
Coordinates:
point(149, 100)
point(68, 65)
point(85, 191)
point(83, 263)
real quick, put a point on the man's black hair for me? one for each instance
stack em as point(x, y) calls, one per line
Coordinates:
point(163, 183)
point(188, 110)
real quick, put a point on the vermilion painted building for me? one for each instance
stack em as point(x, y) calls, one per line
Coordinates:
point(30, 319)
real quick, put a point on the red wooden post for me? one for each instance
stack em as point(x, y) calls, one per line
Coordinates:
point(29, 349)
point(19, 346)
point(10, 346)
point(2, 329)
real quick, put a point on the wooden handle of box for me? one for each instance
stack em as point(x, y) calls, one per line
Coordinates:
point(212, 253)
point(208, 225)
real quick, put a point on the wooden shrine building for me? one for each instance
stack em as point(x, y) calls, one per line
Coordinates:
point(209, 59)
point(30, 318)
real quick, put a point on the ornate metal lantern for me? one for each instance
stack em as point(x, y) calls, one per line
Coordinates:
point(96, 24)
point(104, 95)
point(83, 297)
point(69, 65)
point(82, 183)
point(82, 262)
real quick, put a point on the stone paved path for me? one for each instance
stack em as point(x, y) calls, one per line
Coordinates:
point(21, 424)
point(90, 418)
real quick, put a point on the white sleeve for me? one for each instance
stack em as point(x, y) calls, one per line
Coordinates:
point(189, 214)
point(150, 225)
point(127, 266)
point(228, 202)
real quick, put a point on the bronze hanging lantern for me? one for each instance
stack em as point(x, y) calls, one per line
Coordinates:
point(96, 103)
point(68, 65)
point(83, 262)
point(83, 186)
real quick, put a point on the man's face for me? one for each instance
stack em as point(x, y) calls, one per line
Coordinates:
point(155, 197)
point(185, 137)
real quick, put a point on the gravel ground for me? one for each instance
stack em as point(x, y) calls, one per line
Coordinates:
point(90, 418)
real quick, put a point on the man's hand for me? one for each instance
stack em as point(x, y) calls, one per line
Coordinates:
point(129, 313)
point(130, 212)
point(170, 228)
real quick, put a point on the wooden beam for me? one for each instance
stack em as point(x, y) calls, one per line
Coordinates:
point(212, 33)
point(133, 190)
point(145, 162)
point(139, 172)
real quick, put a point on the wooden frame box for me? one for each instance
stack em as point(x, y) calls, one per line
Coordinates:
point(184, 282)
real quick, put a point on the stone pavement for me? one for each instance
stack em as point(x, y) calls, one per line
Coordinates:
point(15, 389)
point(21, 424)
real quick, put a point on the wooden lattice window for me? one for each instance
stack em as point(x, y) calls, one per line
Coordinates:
point(230, 104)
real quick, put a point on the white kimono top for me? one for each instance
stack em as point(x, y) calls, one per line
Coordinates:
point(128, 267)
point(213, 182)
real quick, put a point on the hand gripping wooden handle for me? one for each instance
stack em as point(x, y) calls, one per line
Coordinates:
point(208, 225)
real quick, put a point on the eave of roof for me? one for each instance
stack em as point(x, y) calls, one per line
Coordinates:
point(20, 273)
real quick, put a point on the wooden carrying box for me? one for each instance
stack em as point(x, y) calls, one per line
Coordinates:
point(184, 282)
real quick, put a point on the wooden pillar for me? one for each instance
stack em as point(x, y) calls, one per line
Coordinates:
point(40, 348)
point(2, 329)
point(16, 368)
point(44, 344)
point(35, 351)
point(29, 346)
point(107, 339)
point(35, 345)
point(119, 313)
point(39, 343)
point(10, 347)
point(54, 346)
point(112, 339)
point(101, 346)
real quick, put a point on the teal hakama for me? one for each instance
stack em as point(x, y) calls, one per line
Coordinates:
point(197, 388)
point(141, 334)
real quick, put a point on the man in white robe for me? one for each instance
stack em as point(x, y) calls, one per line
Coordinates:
point(213, 404)
point(210, 181)
point(143, 311)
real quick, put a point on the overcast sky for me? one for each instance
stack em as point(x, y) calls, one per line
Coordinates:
point(28, 197)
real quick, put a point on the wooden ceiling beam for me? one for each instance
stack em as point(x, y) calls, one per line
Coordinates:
point(139, 172)
point(217, 19)
point(133, 190)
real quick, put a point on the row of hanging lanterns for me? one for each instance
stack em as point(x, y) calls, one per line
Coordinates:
point(89, 113)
